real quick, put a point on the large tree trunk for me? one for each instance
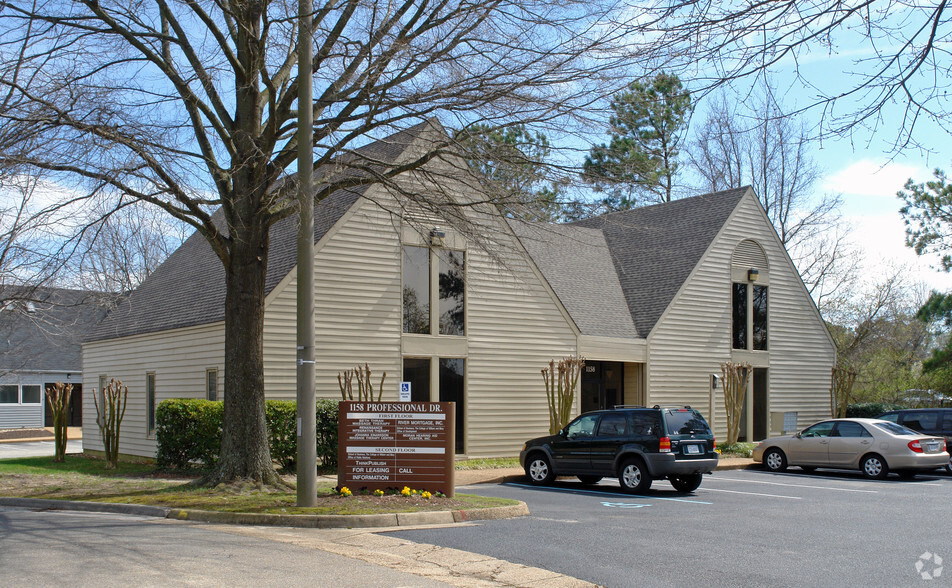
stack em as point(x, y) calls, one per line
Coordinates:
point(245, 454)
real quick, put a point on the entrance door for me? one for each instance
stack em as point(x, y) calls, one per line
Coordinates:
point(601, 385)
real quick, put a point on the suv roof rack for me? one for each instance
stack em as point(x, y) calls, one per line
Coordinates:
point(627, 406)
point(659, 406)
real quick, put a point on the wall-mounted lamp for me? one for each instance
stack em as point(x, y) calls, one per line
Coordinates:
point(437, 237)
point(752, 274)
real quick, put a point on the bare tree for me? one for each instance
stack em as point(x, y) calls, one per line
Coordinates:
point(760, 147)
point(877, 334)
point(191, 107)
point(894, 52)
point(118, 249)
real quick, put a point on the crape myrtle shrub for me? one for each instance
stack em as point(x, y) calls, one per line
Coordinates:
point(188, 433)
point(870, 410)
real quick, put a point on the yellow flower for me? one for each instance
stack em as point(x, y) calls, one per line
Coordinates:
point(406, 491)
point(345, 491)
point(378, 492)
point(426, 495)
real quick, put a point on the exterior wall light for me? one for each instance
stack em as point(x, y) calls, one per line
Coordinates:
point(752, 274)
point(437, 237)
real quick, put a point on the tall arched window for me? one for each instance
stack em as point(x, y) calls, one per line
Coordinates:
point(749, 296)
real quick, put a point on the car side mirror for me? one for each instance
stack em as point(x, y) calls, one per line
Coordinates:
point(799, 435)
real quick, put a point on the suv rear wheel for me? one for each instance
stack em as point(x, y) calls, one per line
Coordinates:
point(539, 469)
point(688, 483)
point(633, 476)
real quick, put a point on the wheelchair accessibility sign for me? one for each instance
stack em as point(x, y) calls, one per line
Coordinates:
point(405, 392)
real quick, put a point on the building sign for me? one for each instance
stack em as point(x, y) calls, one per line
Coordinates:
point(396, 444)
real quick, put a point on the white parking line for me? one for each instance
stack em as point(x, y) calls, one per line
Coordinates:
point(745, 481)
point(753, 493)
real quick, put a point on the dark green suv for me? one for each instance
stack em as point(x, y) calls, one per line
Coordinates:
point(929, 421)
point(637, 445)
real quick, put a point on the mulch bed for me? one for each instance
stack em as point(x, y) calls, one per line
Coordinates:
point(23, 433)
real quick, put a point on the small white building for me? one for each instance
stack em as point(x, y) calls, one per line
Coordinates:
point(40, 344)
point(655, 299)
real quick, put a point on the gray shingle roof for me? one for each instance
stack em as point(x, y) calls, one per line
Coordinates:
point(48, 339)
point(655, 248)
point(578, 266)
point(188, 289)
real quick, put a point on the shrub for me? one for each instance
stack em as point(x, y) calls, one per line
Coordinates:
point(327, 434)
point(282, 432)
point(870, 410)
point(188, 433)
point(740, 448)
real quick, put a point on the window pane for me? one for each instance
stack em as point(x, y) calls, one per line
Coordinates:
point(8, 394)
point(819, 430)
point(582, 427)
point(416, 290)
point(612, 425)
point(211, 384)
point(850, 429)
point(150, 400)
point(452, 289)
point(759, 309)
point(451, 390)
point(921, 421)
point(31, 395)
point(417, 372)
point(740, 316)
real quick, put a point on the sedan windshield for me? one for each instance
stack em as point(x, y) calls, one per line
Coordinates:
point(895, 429)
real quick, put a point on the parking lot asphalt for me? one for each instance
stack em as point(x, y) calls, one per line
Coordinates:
point(745, 527)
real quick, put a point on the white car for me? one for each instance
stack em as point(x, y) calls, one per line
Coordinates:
point(873, 446)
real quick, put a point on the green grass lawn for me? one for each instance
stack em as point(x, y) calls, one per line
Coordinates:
point(86, 478)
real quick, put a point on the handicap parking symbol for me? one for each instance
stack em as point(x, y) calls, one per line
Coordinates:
point(623, 505)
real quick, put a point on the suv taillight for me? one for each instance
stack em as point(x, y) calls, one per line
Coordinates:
point(665, 446)
point(915, 446)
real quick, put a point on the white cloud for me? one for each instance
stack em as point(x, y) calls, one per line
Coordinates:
point(881, 238)
point(868, 177)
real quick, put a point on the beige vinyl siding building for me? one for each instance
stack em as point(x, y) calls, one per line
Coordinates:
point(644, 296)
point(800, 351)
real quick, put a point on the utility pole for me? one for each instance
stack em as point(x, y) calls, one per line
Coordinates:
point(306, 408)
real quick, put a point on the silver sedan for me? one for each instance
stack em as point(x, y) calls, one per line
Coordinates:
point(873, 446)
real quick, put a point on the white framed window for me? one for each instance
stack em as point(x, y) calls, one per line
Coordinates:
point(9, 394)
point(21, 394)
point(211, 384)
point(32, 394)
point(150, 401)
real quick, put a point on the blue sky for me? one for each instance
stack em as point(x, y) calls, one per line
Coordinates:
point(864, 166)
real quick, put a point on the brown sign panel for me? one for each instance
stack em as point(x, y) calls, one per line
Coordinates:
point(385, 445)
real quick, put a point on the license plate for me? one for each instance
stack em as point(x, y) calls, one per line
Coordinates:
point(932, 447)
point(693, 449)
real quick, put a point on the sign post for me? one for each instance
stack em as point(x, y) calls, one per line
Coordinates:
point(385, 445)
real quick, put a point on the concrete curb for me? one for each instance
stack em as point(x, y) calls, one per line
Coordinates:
point(110, 507)
point(404, 519)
